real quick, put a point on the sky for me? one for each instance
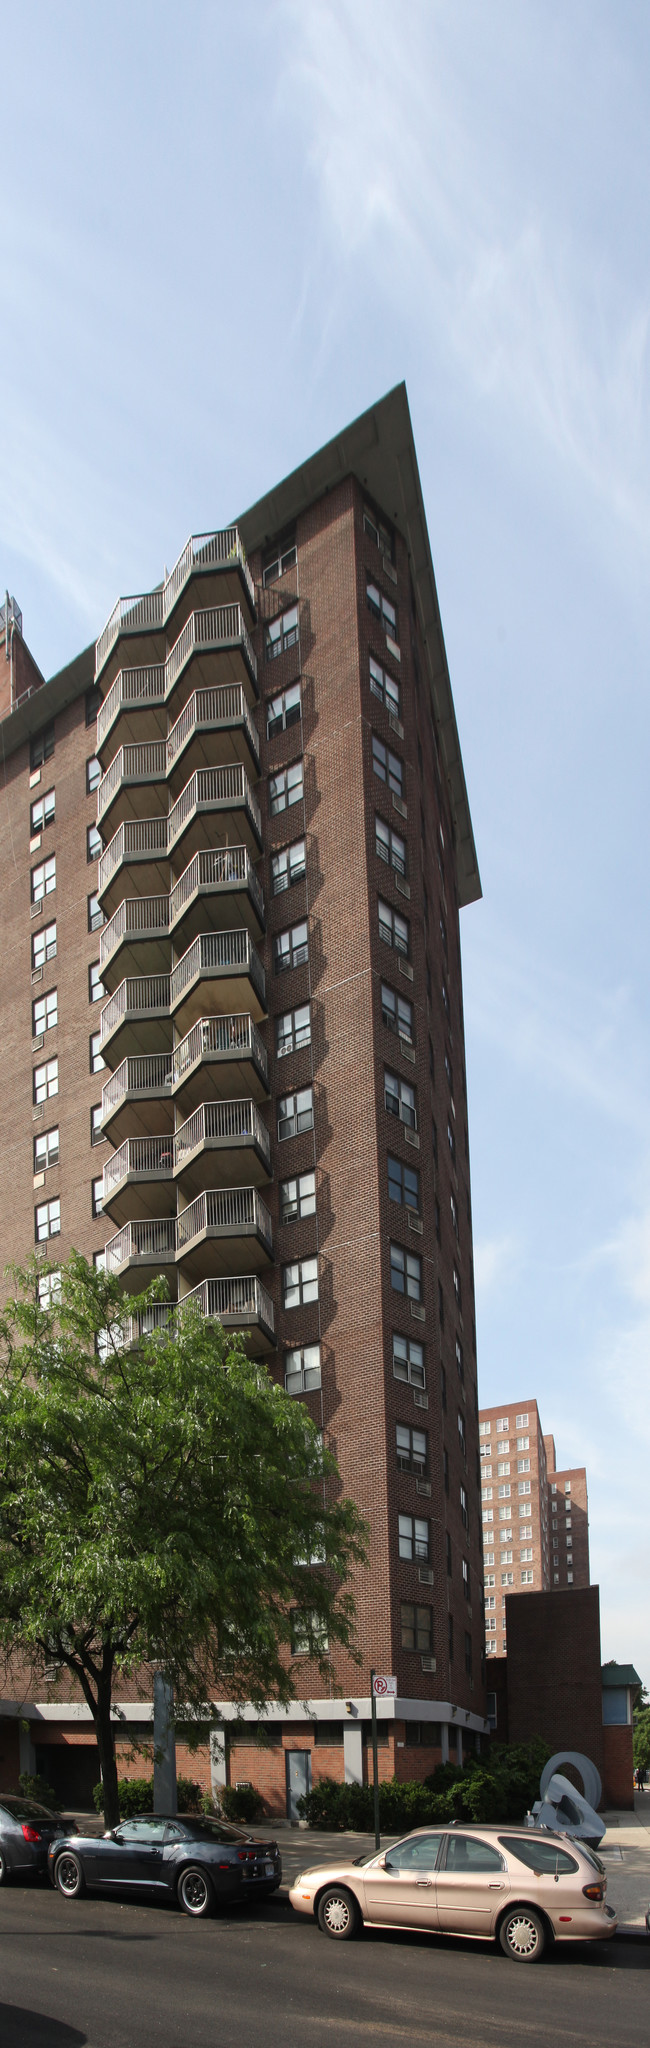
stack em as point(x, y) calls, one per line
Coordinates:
point(224, 233)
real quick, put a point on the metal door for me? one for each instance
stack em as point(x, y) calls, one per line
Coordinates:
point(298, 1780)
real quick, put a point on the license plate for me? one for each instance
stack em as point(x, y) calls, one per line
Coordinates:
point(270, 1869)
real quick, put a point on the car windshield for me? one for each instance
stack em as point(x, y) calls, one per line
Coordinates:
point(25, 1809)
point(216, 1830)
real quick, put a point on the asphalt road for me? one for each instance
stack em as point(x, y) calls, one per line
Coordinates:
point(103, 1974)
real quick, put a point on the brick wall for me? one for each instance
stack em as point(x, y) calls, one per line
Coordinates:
point(618, 1781)
point(554, 1687)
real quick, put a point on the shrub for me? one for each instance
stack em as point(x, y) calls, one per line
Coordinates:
point(34, 1787)
point(241, 1803)
point(497, 1786)
point(136, 1796)
point(401, 1806)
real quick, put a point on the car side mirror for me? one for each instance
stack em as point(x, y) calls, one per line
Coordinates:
point(386, 1864)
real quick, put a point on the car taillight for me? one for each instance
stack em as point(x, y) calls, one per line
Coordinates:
point(593, 1891)
point(30, 1834)
point(246, 1855)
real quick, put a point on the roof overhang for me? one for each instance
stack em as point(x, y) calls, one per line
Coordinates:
point(379, 449)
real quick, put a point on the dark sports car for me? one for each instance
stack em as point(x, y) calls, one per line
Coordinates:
point(201, 1863)
point(26, 1832)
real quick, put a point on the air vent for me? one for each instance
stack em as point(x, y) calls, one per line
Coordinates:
point(428, 1664)
point(37, 974)
point(403, 888)
point(418, 1312)
point(38, 1112)
point(38, 1042)
point(404, 966)
point(412, 1137)
point(415, 1223)
point(423, 1486)
point(399, 806)
point(425, 1575)
point(421, 1400)
point(408, 1052)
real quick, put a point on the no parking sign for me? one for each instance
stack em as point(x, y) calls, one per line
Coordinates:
point(384, 1688)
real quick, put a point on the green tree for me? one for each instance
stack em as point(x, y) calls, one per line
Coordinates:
point(642, 1739)
point(162, 1503)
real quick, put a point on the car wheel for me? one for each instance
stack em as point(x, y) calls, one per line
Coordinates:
point(68, 1876)
point(4, 1873)
point(195, 1893)
point(522, 1935)
point(338, 1914)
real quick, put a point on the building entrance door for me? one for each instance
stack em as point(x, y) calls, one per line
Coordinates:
point(298, 1780)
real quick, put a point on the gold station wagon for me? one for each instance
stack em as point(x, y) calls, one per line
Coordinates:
point(522, 1887)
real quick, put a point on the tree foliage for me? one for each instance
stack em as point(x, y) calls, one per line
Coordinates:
point(162, 1503)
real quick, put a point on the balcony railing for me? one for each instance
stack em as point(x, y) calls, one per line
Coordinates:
point(133, 686)
point(241, 1298)
point(224, 868)
point(140, 614)
point(232, 1122)
point(236, 1035)
point(140, 995)
point(147, 1073)
point(223, 1209)
point(219, 788)
point(135, 839)
point(154, 1156)
point(221, 625)
point(152, 1242)
point(212, 709)
point(146, 761)
point(146, 915)
point(216, 952)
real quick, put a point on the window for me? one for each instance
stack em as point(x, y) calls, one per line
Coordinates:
point(295, 1113)
point(93, 774)
point(281, 634)
point(390, 847)
point(300, 1283)
point(96, 916)
point(99, 1262)
point(281, 557)
point(94, 843)
point(454, 1214)
point(501, 1423)
point(507, 1578)
point(413, 1537)
point(291, 949)
point(460, 1367)
point(521, 1421)
point(283, 711)
point(418, 1733)
point(411, 1449)
point(524, 1486)
point(569, 1578)
point(47, 1221)
point(523, 1443)
point(526, 1578)
point(41, 747)
point(45, 1012)
point(292, 1030)
point(464, 1510)
point(461, 1434)
point(417, 1627)
point(403, 1185)
point(384, 687)
point(502, 1444)
point(387, 766)
point(96, 1132)
point(46, 1150)
point(408, 1361)
point(526, 1556)
point(93, 704)
point(405, 1273)
point(96, 988)
point(399, 1099)
point(393, 929)
point(97, 1196)
point(451, 1141)
point(503, 1469)
point(457, 1286)
point(286, 788)
point(42, 812)
point(468, 1670)
point(43, 879)
point(309, 1636)
point(382, 609)
point(288, 867)
point(302, 1369)
point(298, 1198)
point(466, 1580)
point(95, 1056)
point(46, 1081)
point(378, 532)
point(44, 945)
point(397, 1013)
point(484, 1428)
point(523, 1464)
point(49, 1289)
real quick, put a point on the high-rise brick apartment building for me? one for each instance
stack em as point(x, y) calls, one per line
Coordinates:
point(535, 1519)
point(234, 1043)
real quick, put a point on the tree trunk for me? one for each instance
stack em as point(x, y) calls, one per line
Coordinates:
point(101, 1711)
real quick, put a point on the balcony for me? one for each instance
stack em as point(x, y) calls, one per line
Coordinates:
point(224, 1227)
point(138, 1098)
point(217, 1057)
point(140, 845)
point(220, 630)
point(136, 939)
point(222, 1141)
point(239, 1303)
point(137, 1018)
point(137, 617)
point(218, 887)
point(217, 804)
point(216, 554)
point(214, 730)
point(137, 698)
point(141, 1250)
point(139, 1179)
point(223, 965)
point(135, 785)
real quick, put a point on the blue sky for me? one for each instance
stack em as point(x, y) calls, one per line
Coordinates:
point(224, 233)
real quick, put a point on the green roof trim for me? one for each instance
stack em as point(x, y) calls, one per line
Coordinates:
point(619, 1674)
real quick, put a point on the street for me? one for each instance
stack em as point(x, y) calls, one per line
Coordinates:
point(104, 1974)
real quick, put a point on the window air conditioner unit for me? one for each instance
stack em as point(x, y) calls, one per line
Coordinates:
point(428, 1663)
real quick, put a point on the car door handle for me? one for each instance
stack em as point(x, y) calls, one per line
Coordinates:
point(495, 1887)
point(424, 1880)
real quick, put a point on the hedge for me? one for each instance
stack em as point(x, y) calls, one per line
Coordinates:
point(497, 1787)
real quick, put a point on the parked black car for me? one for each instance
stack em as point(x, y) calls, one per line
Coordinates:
point(26, 1831)
point(200, 1862)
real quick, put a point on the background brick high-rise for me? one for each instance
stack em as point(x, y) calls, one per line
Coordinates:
point(267, 961)
point(535, 1519)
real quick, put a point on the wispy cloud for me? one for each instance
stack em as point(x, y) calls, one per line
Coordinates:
point(494, 1262)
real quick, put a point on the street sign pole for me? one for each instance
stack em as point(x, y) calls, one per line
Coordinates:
point(375, 1766)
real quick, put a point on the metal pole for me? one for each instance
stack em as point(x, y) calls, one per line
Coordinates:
point(375, 1766)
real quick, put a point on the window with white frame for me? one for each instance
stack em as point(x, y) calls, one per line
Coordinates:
point(484, 1428)
point(411, 1447)
point(291, 948)
point(408, 1361)
point(288, 866)
point(43, 879)
point(295, 1113)
point(93, 774)
point(298, 1197)
point(390, 847)
point(503, 1468)
point(281, 634)
point(94, 843)
point(382, 609)
point(393, 929)
point(96, 1132)
point(42, 812)
point(280, 557)
point(523, 1443)
point(97, 1193)
point(405, 1272)
point(521, 1421)
point(96, 1058)
point(461, 1434)
point(46, 1150)
point(286, 788)
point(283, 711)
point(527, 1578)
point(96, 988)
point(378, 531)
point(399, 1099)
point(43, 945)
point(403, 1185)
point(45, 1012)
point(464, 1507)
point(384, 687)
point(523, 1464)
point(96, 916)
point(299, 1283)
point(49, 1288)
point(501, 1423)
point(387, 766)
point(309, 1636)
point(292, 1030)
point(46, 1081)
point(413, 1537)
point(47, 1221)
point(397, 1013)
point(302, 1369)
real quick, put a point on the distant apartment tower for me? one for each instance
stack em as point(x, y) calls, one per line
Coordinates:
point(235, 844)
point(535, 1519)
